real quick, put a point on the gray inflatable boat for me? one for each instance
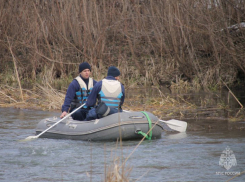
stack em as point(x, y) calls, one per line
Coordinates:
point(124, 125)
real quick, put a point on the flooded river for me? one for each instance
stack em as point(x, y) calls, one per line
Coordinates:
point(216, 154)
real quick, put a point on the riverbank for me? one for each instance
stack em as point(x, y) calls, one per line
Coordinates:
point(190, 107)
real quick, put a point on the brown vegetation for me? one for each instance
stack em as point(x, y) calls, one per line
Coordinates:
point(152, 42)
point(182, 45)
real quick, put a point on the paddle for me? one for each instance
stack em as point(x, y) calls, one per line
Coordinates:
point(177, 125)
point(34, 137)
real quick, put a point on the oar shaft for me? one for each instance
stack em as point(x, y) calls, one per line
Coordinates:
point(59, 121)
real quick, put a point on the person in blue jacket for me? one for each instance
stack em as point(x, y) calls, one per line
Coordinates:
point(78, 92)
point(109, 94)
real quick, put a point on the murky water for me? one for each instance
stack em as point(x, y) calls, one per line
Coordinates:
point(190, 156)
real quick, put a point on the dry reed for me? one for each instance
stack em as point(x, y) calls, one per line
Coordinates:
point(152, 42)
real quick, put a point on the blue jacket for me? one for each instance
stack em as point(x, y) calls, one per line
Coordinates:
point(92, 98)
point(71, 93)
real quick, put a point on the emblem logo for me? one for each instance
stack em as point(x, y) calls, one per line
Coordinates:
point(227, 159)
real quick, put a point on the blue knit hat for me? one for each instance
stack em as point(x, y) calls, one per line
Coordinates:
point(84, 66)
point(113, 71)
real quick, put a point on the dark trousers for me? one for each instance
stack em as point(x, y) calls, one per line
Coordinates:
point(80, 114)
point(93, 115)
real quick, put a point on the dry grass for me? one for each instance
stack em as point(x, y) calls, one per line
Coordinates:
point(152, 42)
point(117, 172)
point(53, 98)
point(40, 97)
point(164, 105)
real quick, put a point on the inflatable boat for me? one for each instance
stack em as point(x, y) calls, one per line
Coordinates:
point(124, 125)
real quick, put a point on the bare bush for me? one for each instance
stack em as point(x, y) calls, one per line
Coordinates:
point(152, 42)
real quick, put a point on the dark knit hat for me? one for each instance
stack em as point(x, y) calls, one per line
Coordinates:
point(84, 66)
point(113, 71)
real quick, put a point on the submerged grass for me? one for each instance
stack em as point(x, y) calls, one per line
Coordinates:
point(117, 170)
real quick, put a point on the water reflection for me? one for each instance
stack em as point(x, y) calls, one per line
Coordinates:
point(176, 136)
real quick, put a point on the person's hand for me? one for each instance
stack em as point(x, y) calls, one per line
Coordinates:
point(63, 114)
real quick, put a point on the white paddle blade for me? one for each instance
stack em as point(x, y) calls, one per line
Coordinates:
point(31, 137)
point(28, 138)
point(176, 125)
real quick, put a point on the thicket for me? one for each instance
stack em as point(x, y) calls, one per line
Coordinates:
point(200, 42)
